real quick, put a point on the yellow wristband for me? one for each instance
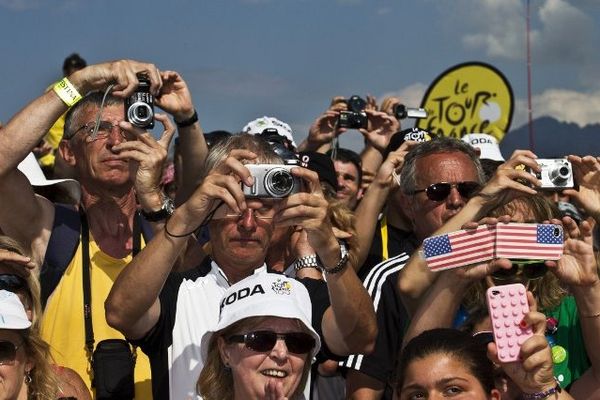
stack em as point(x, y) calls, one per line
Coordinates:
point(67, 92)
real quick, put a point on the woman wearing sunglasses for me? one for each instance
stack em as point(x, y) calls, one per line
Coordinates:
point(264, 343)
point(567, 292)
point(25, 372)
point(16, 276)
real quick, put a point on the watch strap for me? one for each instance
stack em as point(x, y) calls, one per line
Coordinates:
point(165, 211)
point(187, 122)
point(341, 265)
point(311, 261)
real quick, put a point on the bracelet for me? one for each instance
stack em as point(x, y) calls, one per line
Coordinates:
point(67, 92)
point(542, 395)
point(311, 261)
point(187, 122)
point(177, 236)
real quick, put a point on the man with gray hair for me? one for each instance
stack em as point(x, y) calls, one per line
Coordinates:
point(438, 177)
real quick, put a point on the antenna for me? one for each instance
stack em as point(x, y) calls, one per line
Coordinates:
point(529, 107)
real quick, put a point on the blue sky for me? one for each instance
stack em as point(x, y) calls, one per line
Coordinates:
point(286, 58)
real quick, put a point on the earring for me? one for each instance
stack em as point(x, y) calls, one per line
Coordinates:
point(227, 367)
point(27, 378)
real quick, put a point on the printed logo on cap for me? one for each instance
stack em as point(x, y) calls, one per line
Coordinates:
point(282, 287)
point(242, 294)
point(417, 135)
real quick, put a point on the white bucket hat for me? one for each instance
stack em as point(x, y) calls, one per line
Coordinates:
point(267, 294)
point(30, 167)
point(12, 312)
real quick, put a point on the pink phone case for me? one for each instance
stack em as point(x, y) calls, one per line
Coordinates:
point(508, 305)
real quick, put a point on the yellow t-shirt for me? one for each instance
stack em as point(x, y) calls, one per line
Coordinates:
point(63, 325)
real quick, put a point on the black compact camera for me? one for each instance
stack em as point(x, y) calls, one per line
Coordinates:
point(272, 181)
point(402, 112)
point(280, 145)
point(139, 107)
point(355, 117)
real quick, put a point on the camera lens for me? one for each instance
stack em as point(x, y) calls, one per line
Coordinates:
point(560, 175)
point(140, 114)
point(279, 182)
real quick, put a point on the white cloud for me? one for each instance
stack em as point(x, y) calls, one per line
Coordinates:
point(563, 105)
point(410, 96)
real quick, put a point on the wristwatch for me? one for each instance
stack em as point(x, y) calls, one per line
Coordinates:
point(311, 261)
point(165, 211)
point(343, 260)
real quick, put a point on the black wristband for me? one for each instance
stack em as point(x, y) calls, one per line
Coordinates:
point(187, 122)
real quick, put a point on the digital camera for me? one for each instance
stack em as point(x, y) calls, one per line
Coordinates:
point(401, 112)
point(556, 174)
point(272, 181)
point(139, 107)
point(355, 117)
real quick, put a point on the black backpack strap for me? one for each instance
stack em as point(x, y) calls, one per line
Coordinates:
point(62, 246)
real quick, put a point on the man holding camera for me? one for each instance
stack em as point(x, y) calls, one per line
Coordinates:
point(118, 166)
point(171, 312)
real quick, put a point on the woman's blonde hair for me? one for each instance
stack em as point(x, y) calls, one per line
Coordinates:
point(216, 380)
point(44, 383)
point(547, 290)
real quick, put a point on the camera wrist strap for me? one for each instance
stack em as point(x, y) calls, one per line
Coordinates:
point(87, 290)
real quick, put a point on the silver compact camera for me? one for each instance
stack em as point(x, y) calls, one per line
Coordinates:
point(272, 181)
point(556, 174)
point(139, 107)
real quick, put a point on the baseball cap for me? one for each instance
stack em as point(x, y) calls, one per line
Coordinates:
point(487, 145)
point(257, 127)
point(265, 294)
point(12, 312)
point(321, 164)
point(30, 167)
point(413, 134)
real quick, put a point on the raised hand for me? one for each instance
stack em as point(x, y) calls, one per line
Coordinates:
point(587, 175)
point(175, 97)
point(381, 128)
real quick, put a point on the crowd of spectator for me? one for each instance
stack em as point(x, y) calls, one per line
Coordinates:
point(252, 265)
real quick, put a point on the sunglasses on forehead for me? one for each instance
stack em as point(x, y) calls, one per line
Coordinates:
point(440, 191)
point(12, 282)
point(264, 341)
point(8, 352)
point(528, 270)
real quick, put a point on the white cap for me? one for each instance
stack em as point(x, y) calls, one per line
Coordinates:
point(30, 167)
point(487, 144)
point(267, 294)
point(257, 126)
point(12, 312)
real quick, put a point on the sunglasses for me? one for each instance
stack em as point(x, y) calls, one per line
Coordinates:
point(263, 341)
point(484, 337)
point(527, 270)
point(8, 352)
point(440, 191)
point(12, 282)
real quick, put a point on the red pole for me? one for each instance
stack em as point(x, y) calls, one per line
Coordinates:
point(529, 108)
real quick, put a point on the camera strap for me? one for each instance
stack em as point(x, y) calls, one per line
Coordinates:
point(87, 289)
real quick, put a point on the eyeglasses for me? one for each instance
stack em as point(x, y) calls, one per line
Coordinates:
point(527, 270)
point(105, 128)
point(12, 282)
point(264, 341)
point(441, 191)
point(260, 211)
point(8, 352)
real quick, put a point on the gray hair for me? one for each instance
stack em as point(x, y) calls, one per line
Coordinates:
point(408, 183)
point(92, 99)
point(220, 151)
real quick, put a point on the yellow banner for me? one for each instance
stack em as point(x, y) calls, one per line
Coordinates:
point(468, 98)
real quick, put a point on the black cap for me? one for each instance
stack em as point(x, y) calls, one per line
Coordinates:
point(321, 164)
point(73, 62)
